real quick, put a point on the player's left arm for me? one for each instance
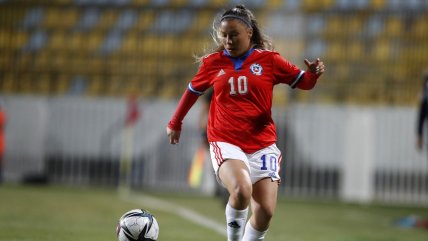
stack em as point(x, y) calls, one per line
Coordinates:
point(288, 73)
point(313, 71)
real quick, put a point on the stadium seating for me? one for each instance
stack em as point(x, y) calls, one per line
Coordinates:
point(114, 47)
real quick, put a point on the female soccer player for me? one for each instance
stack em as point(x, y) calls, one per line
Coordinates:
point(243, 71)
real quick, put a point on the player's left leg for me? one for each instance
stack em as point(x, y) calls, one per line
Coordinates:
point(263, 204)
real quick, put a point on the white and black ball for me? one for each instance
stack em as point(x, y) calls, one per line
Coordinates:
point(137, 225)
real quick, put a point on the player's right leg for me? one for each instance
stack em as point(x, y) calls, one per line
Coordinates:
point(232, 171)
point(235, 177)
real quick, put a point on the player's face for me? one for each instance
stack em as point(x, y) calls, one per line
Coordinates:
point(235, 36)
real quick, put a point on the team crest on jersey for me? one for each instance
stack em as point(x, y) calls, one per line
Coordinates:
point(256, 69)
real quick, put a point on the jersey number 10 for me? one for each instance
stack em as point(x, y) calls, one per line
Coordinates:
point(239, 85)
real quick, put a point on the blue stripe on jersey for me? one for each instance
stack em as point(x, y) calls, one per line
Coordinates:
point(297, 80)
point(238, 62)
point(193, 90)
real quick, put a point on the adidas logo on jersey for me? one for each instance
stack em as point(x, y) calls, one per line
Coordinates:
point(221, 72)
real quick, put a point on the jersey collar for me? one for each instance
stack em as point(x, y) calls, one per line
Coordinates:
point(238, 61)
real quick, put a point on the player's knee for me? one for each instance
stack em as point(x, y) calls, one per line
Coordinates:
point(266, 212)
point(262, 218)
point(242, 192)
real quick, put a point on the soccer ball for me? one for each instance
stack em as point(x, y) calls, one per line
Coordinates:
point(137, 225)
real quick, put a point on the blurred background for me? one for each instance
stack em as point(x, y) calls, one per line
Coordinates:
point(89, 84)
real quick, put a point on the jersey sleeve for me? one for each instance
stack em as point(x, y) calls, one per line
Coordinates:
point(186, 102)
point(196, 87)
point(284, 71)
point(201, 81)
point(287, 73)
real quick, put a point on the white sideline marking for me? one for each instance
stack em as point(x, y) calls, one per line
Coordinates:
point(183, 212)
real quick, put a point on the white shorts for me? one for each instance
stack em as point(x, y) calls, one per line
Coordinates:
point(264, 163)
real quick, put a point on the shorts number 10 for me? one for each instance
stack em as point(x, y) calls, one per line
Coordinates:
point(272, 162)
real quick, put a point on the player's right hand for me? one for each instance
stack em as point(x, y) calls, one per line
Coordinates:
point(174, 136)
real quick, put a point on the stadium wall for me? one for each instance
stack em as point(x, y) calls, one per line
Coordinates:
point(354, 153)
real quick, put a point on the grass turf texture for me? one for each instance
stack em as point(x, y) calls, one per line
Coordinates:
point(64, 213)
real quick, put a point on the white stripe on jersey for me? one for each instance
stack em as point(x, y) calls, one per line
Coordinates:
point(297, 80)
point(193, 90)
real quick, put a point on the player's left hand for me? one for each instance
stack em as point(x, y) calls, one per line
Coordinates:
point(317, 67)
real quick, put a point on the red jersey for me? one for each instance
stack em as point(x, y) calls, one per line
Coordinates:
point(240, 110)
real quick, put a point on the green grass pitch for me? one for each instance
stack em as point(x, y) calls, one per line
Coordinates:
point(30, 213)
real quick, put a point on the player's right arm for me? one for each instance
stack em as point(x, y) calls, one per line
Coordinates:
point(190, 96)
point(173, 129)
